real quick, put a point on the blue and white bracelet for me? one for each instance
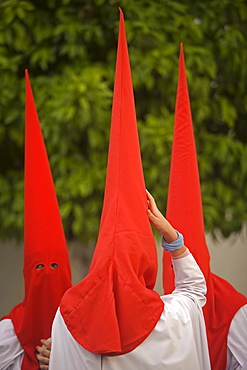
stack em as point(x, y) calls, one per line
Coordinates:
point(176, 244)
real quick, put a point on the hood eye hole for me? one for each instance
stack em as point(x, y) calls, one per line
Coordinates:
point(40, 266)
point(53, 266)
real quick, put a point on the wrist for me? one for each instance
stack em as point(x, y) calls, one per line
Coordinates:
point(175, 244)
point(170, 236)
point(168, 232)
point(179, 253)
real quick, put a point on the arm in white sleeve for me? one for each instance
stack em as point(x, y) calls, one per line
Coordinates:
point(11, 351)
point(189, 279)
point(237, 341)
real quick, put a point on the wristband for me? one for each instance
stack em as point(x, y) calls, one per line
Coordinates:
point(176, 244)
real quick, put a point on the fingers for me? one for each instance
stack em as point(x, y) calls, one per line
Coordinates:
point(44, 367)
point(152, 206)
point(154, 215)
point(159, 221)
point(43, 351)
point(43, 359)
point(150, 198)
point(47, 343)
point(151, 201)
point(44, 354)
point(149, 195)
point(151, 216)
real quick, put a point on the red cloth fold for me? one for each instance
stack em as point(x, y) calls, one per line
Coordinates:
point(44, 243)
point(184, 211)
point(114, 308)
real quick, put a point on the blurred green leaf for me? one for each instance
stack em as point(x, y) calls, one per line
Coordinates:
point(70, 48)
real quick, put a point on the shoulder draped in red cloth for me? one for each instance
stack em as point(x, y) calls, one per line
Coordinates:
point(184, 211)
point(114, 308)
point(44, 244)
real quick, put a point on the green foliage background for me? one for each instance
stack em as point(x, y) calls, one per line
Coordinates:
point(69, 47)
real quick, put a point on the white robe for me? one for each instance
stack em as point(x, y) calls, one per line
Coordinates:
point(11, 351)
point(178, 341)
point(237, 341)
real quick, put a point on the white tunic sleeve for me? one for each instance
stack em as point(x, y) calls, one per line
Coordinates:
point(11, 352)
point(237, 341)
point(189, 279)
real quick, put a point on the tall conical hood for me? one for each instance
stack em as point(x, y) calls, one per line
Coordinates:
point(184, 204)
point(184, 211)
point(44, 244)
point(115, 308)
point(43, 225)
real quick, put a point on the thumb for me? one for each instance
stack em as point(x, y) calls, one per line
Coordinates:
point(151, 215)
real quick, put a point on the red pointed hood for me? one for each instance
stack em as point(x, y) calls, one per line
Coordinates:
point(115, 308)
point(44, 243)
point(184, 211)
